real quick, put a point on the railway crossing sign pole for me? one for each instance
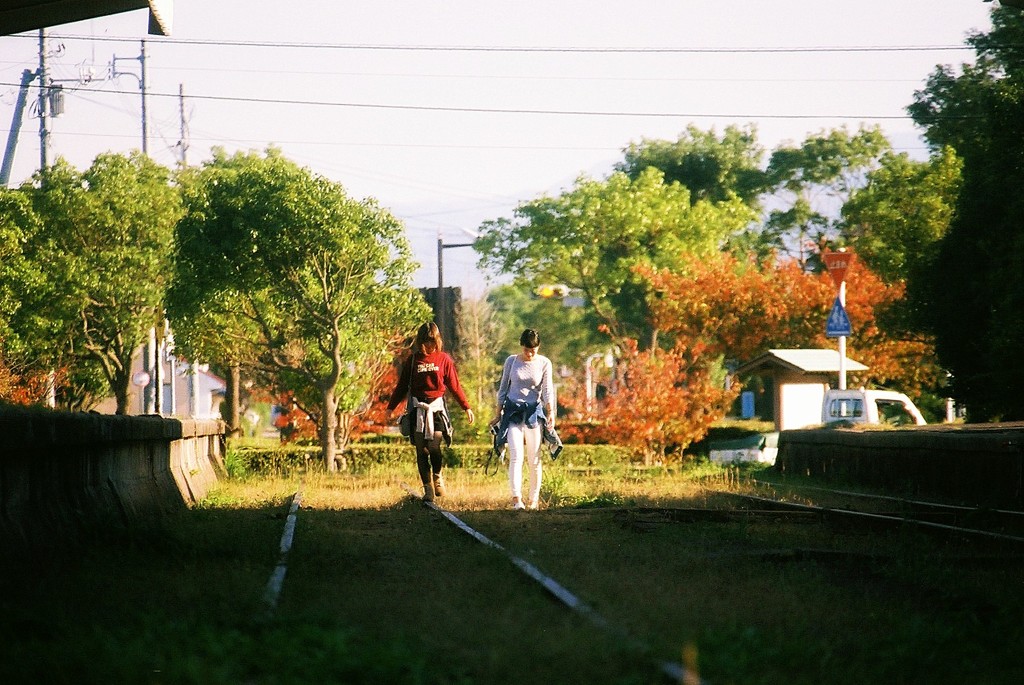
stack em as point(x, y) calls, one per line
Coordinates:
point(838, 325)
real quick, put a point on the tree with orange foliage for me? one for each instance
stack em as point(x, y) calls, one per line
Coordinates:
point(8, 381)
point(665, 400)
point(376, 418)
point(739, 309)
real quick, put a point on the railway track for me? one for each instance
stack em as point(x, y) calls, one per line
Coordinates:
point(675, 672)
point(995, 526)
point(1002, 526)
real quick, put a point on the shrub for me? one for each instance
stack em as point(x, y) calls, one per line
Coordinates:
point(244, 460)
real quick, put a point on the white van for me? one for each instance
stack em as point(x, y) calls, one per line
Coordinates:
point(870, 406)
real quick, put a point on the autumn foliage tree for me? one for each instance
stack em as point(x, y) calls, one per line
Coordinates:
point(664, 400)
point(739, 309)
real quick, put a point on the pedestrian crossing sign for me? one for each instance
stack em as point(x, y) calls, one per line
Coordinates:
point(838, 325)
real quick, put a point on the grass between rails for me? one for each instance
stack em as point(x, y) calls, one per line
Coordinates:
point(382, 590)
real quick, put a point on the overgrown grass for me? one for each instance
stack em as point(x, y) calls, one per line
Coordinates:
point(382, 590)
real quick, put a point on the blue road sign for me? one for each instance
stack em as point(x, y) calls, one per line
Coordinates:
point(838, 325)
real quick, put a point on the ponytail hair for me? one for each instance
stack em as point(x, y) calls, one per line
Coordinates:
point(429, 334)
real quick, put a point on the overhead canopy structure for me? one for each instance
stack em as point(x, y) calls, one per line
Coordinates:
point(26, 15)
point(799, 361)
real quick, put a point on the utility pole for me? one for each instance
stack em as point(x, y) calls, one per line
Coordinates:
point(12, 137)
point(142, 87)
point(183, 143)
point(44, 130)
point(152, 362)
point(141, 76)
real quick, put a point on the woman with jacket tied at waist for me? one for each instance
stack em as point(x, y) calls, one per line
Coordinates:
point(526, 406)
point(424, 379)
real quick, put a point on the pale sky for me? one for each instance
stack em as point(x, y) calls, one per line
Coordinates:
point(414, 104)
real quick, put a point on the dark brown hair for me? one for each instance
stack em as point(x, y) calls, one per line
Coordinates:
point(428, 334)
point(529, 338)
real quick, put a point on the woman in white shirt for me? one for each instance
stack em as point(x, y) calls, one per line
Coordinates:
point(526, 401)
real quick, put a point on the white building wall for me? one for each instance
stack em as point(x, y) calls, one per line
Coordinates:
point(800, 404)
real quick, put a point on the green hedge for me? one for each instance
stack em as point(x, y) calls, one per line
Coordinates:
point(284, 459)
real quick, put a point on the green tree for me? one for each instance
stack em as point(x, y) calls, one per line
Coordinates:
point(480, 333)
point(811, 184)
point(103, 237)
point(568, 334)
point(713, 168)
point(896, 221)
point(319, 280)
point(24, 344)
point(976, 293)
point(899, 216)
point(593, 236)
point(204, 300)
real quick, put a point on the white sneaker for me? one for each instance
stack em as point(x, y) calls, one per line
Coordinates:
point(533, 506)
point(518, 505)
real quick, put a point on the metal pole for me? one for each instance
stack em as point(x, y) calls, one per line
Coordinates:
point(194, 390)
point(158, 375)
point(441, 296)
point(172, 373)
point(842, 341)
point(142, 87)
point(148, 364)
point(440, 284)
point(44, 131)
point(12, 137)
point(184, 127)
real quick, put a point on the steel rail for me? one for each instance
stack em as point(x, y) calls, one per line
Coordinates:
point(1010, 513)
point(879, 517)
point(675, 671)
point(272, 593)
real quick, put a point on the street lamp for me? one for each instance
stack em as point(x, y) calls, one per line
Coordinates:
point(441, 247)
point(141, 76)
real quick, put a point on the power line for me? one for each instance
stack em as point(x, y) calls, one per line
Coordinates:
point(514, 77)
point(501, 110)
point(208, 138)
point(521, 48)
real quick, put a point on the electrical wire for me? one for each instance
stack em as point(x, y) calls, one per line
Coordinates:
point(503, 110)
point(514, 48)
point(512, 77)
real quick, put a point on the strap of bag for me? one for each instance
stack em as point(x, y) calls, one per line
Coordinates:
point(408, 394)
point(506, 373)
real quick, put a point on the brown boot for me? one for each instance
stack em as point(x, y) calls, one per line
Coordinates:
point(438, 485)
point(428, 492)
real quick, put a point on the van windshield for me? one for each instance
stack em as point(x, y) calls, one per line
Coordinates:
point(846, 408)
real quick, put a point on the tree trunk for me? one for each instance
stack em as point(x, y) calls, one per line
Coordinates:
point(328, 428)
point(121, 395)
point(232, 402)
point(119, 376)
